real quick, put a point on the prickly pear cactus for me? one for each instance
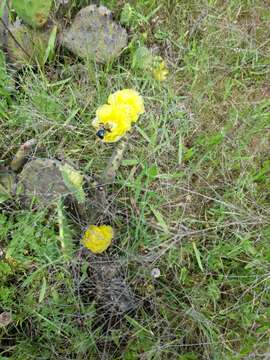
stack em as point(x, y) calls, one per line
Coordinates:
point(94, 35)
point(47, 180)
point(30, 46)
point(33, 12)
point(42, 179)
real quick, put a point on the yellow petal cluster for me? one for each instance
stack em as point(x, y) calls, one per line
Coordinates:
point(124, 108)
point(130, 100)
point(98, 238)
point(160, 71)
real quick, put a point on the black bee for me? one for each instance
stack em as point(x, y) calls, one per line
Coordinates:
point(101, 133)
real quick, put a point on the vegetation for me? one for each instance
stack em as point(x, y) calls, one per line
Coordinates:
point(191, 197)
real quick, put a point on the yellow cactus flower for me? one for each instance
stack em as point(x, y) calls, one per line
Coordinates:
point(160, 71)
point(98, 238)
point(132, 101)
point(114, 119)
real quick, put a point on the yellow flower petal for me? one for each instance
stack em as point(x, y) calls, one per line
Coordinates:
point(130, 98)
point(98, 238)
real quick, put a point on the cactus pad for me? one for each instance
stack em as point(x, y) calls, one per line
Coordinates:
point(48, 180)
point(33, 12)
point(94, 35)
point(42, 179)
point(32, 45)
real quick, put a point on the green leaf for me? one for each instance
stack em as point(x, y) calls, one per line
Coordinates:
point(138, 326)
point(3, 197)
point(130, 162)
point(198, 256)
point(151, 172)
point(51, 45)
point(160, 219)
point(42, 290)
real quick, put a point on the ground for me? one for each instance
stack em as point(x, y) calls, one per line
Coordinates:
point(190, 199)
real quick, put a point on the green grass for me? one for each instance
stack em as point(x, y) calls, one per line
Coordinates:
point(191, 197)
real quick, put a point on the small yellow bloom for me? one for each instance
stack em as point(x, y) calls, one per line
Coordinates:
point(114, 120)
point(131, 100)
point(98, 238)
point(160, 71)
point(124, 107)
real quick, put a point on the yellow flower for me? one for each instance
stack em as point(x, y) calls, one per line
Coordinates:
point(160, 71)
point(131, 100)
point(116, 117)
point(114, 120)
point(98, 238)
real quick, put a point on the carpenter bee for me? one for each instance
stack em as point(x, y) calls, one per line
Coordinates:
point(101, 132)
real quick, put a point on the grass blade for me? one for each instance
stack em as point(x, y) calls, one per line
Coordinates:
point(160, 219)
point(51, 45)
point(198, 256)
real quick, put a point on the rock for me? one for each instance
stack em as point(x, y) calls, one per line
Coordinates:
point(94, 35)
point(42, 179)
point(30, 45)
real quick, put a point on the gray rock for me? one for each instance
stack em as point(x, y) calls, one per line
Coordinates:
point(94, 35)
